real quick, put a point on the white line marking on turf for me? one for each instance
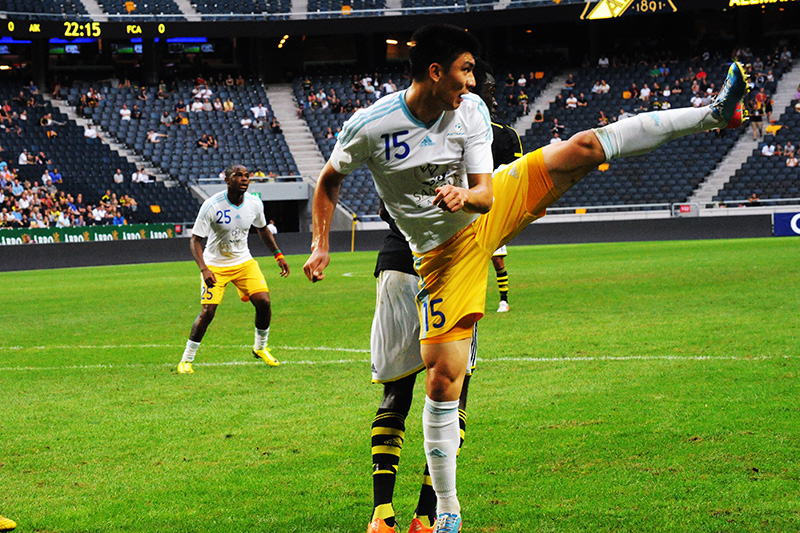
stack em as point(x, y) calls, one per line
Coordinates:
point(118, 346)
point(566, 359)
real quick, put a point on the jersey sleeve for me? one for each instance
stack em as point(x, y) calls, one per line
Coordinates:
point(478, 147)
point(352, 147)
point(260, 221)
point(202, 225)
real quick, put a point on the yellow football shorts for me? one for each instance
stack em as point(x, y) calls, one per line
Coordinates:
point(452, 293)
point(247, 278)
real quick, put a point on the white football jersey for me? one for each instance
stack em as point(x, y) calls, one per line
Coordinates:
point(227, 227)
point(410, 159)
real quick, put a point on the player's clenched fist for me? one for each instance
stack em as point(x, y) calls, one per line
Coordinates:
point(316, 263)
point(450, 198)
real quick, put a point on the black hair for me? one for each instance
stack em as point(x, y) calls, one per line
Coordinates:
point(481, 70)
point(439, 43)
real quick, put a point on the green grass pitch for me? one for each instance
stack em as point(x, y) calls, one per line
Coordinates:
point(632, 387)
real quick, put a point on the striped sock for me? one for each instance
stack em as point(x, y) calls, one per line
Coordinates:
point(502, 284)
point(388, 432)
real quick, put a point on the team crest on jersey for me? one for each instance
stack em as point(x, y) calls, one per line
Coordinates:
point(459, 131)
point(427, 141)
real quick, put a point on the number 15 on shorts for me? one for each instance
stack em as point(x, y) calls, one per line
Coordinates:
point(432, 317)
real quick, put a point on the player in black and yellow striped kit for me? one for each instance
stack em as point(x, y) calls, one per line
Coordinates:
point(506, 148)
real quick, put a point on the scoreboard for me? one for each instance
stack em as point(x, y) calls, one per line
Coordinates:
point(75, 29)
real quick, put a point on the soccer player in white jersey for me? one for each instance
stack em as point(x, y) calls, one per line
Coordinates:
point(429, 151)
point(225, 220)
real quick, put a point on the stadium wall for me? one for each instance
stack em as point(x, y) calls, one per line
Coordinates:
point(69, 255)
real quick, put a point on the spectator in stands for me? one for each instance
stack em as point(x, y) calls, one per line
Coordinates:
point(791, 160)
point(153, 136)
point(388, 87)
point(218, 105)
point(239, 81)
point(329, 133)
point(262, 112)
point(558, 128)
point(246, 122)
point(778, 150)
point(141, 176)
point(56, 176)
point(602, 120)
point(142, 96)
point(229, 81)
point(696, 100)
point(40, 159)
point(257, 124)
point(207, 106)
point(522, 81)
point(275, 126)
point(754, 200)
point(570, 83)
point(768, 150)
point(63, 220)
point(180, 107)
point(125, 113)
point(196, 107)
point(118, 219)
point(307, 85)
point(572, 102)
point(603, 62)
point(788, 147)
point(556, 138)
point(90, 133)
point(227, 105)
point(522, 101)
point(538, 116)
point(166, 119)
point(756, 119)
point(272, 227)
point(162, 91)
point(99, 215)
point(206, 141)
point(582, 101)
point(93, 98)
point(118, 177)
point(644, 94)
point(23, 158)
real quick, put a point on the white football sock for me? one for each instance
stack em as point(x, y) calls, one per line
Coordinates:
point(190, 351)
point(260, 342)
point(442, 436)
point(647, 131)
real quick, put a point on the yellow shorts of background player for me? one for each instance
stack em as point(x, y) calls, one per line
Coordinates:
point(247, 278)
point(452, 294)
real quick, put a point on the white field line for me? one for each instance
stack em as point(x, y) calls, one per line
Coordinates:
point(307, 362)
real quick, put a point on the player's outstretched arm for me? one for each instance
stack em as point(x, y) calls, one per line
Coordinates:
point(326, 195)
point(268, 239)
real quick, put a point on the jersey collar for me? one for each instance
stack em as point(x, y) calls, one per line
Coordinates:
point(410, 115)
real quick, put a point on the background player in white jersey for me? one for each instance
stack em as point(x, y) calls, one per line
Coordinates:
point(225, 220)
point(427, 148)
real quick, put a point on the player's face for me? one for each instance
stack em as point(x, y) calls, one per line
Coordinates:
point(239, 180)
point(456, 82)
